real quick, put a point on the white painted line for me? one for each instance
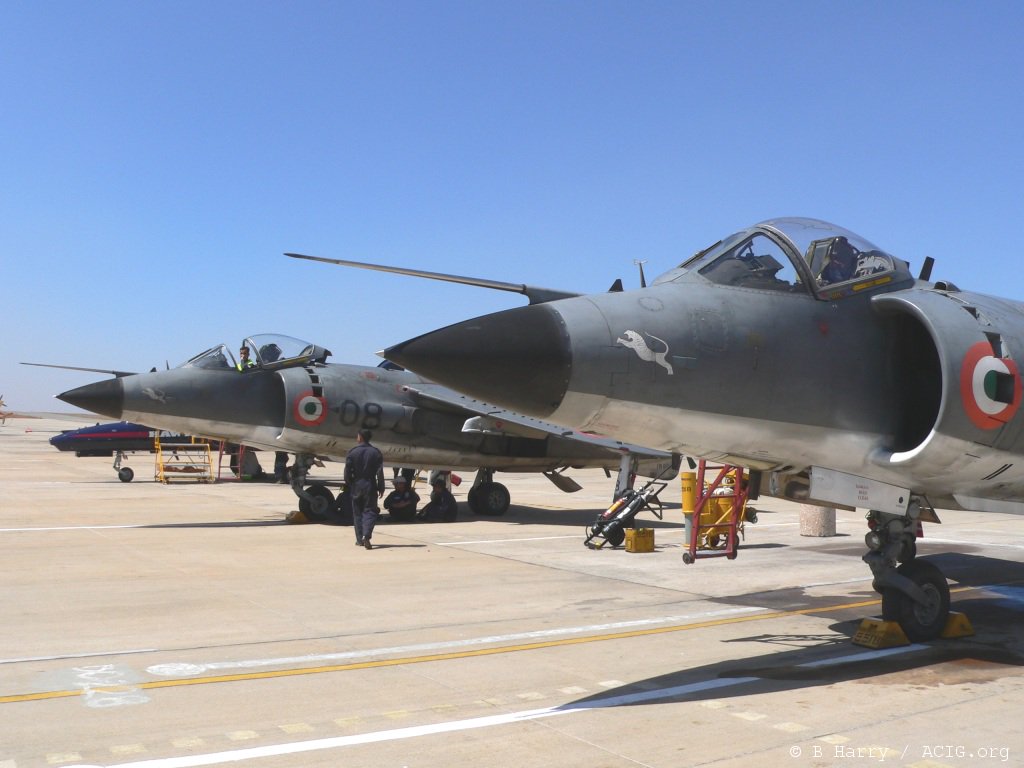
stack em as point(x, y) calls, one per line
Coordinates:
point(865, 656)
point(395, 734)
point(835, 583)
point(178, 669)
point(502, 541)
point(69, 528)
point(1012, 594)
point(78, 656)
point(970, 542)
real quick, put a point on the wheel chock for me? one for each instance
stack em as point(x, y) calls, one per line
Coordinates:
point(957, 625)
point(296, 517)
point(876, 633)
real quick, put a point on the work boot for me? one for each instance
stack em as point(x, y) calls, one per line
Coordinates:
point(367, 544)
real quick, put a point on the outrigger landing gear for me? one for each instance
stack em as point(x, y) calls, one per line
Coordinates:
point(915, 593)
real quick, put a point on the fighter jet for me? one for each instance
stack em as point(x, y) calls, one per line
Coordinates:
point(795, 348)
point(286, 397)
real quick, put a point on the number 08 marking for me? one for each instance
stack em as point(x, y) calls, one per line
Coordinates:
point(368, 416)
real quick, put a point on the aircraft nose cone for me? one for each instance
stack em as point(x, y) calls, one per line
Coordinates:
point(104, 397)
point(519, 358)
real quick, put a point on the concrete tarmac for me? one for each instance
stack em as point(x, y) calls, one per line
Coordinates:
point(160, 626)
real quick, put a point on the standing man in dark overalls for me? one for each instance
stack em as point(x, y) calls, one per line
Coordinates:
point(364, 476)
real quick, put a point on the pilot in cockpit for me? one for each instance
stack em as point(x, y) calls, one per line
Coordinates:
point(841, 264)
point(243, 359)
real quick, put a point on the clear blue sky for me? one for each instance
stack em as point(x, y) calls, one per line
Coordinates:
point(157, 158)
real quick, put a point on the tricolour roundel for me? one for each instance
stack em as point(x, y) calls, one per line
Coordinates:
point(980, 377)
point(309, 409)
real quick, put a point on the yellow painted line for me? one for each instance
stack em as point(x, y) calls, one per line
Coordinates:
point(466, 654)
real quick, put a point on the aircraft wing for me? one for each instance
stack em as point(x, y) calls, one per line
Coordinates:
point(118, 374)
point(535, 294)
point(484, 417)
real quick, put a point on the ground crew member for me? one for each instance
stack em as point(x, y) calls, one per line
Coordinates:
point(442, 506)
point(364, 476)
point(401, 502)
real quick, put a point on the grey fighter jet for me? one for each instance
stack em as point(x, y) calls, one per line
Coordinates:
point(285, 397)
point(795, 348)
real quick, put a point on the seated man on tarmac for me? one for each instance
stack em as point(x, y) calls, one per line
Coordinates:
point(442, 506)
point(401, 502)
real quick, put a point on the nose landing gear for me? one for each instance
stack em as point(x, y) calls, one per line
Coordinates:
point(914, 592)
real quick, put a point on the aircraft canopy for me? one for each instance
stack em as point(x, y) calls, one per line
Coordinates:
point(266, 351)
point(788, 254)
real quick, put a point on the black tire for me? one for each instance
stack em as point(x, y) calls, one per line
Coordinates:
point(615, 536)
point(920, 623)
point(125, 474)
point(491, 499)
point(735, 546)
point(472, 499)
point(343, 508)
point(320, 510)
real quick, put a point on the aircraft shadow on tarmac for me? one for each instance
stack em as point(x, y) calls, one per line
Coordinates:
point(523, 515)
point(818, 660)
point(221, 524)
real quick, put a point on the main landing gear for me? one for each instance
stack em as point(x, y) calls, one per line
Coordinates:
point(914, 592)
point(487, 497)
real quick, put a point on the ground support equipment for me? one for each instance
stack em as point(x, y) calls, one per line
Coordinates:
point(188, 460)
point(610, 526)
point(715, 526)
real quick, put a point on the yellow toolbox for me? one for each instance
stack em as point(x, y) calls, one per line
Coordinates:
point(639, 539)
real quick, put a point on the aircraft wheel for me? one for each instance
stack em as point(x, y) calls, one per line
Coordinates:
point(125, 474)
point(735, 547)
point(319, 508)
point(343, 508)
point(920, 622)
point(616, 536)
point(491, 499)
point(474, 504)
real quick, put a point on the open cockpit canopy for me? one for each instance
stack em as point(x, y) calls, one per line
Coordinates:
point(790, 254)
point(265, 351)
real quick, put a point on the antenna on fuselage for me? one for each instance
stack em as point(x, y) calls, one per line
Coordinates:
point(643, 280)
point(926, 269)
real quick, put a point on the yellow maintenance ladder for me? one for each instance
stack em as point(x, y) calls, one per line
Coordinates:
point(181, 458)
